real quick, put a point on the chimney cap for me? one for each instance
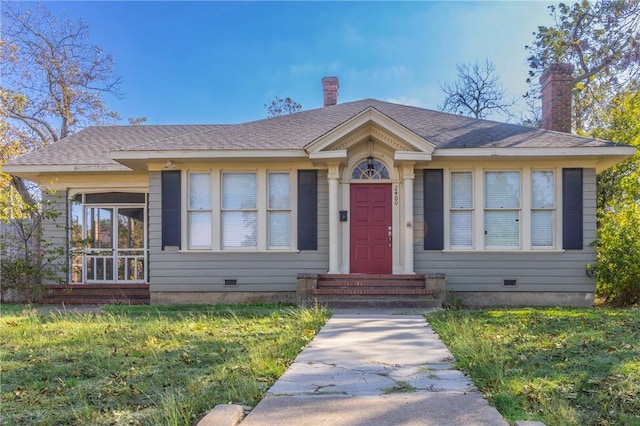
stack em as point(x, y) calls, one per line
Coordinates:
point(558, 69)
point(330, 80)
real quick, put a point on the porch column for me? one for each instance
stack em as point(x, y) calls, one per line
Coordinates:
point(407, 223)
point(333, 174)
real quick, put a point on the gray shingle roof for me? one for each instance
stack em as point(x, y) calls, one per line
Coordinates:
point(92, 145)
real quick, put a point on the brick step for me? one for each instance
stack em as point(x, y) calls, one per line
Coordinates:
point(372, 276)
point(370, 283)
point(373, 291)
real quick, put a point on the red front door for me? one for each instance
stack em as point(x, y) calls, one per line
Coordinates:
point(370, 228)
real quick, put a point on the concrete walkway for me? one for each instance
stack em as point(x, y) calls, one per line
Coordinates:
point(372, 368)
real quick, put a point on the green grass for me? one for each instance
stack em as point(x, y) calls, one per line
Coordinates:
point(559, 366)
point(145, 365)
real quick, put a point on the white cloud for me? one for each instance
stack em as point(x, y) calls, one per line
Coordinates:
point(405, 100)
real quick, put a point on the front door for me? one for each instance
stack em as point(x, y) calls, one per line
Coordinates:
point(371, 229)
point(115, 241)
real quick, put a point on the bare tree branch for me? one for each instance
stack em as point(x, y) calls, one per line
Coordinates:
point(477, 93)
point(53, 77)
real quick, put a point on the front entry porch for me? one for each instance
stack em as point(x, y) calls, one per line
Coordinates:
point(375, 290)
point(371, 163)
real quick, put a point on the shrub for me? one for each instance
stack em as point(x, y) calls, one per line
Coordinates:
point(27, 257)
point(618, 250)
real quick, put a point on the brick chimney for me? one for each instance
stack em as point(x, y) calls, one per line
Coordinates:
point(557, 86)
point(330, 89)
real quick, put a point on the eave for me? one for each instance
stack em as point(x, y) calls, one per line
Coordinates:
point(601, 158)
point(140, 160)
point(32, 172)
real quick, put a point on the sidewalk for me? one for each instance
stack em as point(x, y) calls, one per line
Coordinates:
point(372, 368)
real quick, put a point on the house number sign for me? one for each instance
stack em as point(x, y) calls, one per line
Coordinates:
point(395, 195)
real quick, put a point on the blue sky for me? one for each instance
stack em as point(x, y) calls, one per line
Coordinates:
point(220, 62)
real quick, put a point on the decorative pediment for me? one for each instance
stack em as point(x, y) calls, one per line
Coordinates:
point(369, 124)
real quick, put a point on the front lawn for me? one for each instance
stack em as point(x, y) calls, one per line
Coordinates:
point(144, 365)
point(559, 366)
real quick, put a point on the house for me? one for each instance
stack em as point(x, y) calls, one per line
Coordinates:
point(243, 212)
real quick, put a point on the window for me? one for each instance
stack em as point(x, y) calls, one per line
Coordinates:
point(239, 210)
point(461, 206)
point(502, 209)
point(199, 210)
point(542, 208)
point(279, 211)
point(370, 169)
point(518, 211)
point(249, 211)
point(108, 237)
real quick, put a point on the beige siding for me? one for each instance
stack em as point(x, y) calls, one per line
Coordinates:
point(534, 271)
point(55, 231)
point(173, 271)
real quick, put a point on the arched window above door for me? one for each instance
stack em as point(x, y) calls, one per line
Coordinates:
point(370, 169)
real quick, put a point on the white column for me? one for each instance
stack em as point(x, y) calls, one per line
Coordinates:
point(333, 175)
point(407, 223)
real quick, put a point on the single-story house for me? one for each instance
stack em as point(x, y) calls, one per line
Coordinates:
point(223, 213)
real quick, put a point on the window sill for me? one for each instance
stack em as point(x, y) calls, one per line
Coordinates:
point(200, 251)
point(520, 251)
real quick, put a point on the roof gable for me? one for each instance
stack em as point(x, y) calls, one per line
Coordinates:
point(370, 123)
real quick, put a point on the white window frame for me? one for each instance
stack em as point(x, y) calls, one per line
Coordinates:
point(525, 210)
point(552, 209)
point(191, 210)
point(517, 210)
point(254, 209)
point(262, 210)
point(454, 209)
point(271, 210)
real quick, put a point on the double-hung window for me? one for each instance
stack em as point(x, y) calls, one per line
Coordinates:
point(199, 211)
point(542, 208)
point(502, 209)
point(239, 210)
point(279, 211)
point(461, 209)
point(518, 210)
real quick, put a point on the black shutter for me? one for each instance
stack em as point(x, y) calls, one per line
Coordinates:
point(171, 223)
point(572, 209)
point(433, 210)
point(307, 209)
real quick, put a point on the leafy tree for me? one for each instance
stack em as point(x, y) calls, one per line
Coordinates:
point(477, 93)
point(601, 40)
point(620, 185)
point(618, 192)
point(618, 247)
point(279, 106)
point(53, 80)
